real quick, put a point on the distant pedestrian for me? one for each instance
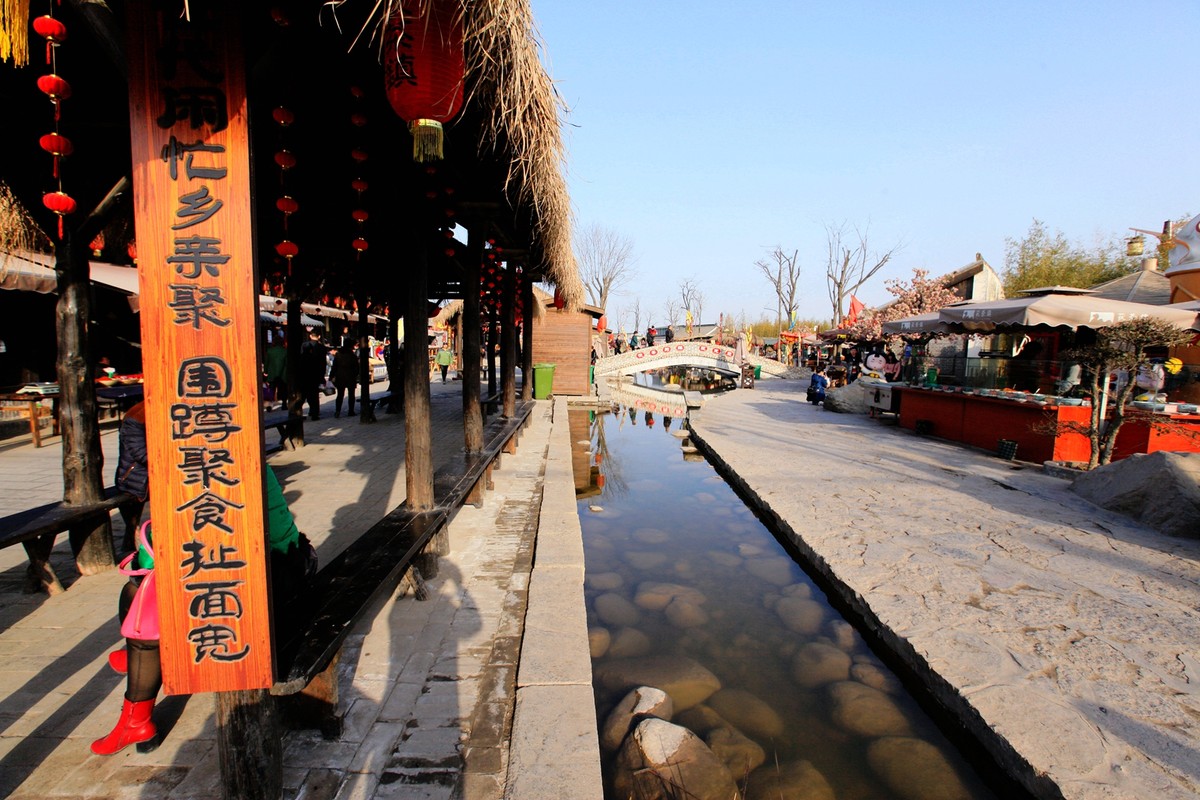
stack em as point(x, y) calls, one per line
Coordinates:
point(345, 377)
point(312, 373)
point(444, 358)
point(275, 369)
point(670, 334)
point(651, 332)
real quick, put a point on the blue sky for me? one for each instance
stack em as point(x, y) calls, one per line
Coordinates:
point(708, 133)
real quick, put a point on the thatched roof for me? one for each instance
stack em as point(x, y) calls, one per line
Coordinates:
point(524, 113)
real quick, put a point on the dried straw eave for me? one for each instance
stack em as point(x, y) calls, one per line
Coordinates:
point(522, 111)
point(18, 230)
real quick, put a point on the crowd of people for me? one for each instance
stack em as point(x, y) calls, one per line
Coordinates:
point(619, 343)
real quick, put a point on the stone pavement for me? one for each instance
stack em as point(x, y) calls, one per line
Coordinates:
point(429, 688)
point(1064, 636)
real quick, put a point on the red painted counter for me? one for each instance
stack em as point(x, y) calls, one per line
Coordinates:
point(982, 421)
point(1138, 436)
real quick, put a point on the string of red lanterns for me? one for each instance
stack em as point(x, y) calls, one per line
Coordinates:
point(359, 155)
point(285, 204)
point(57, 90)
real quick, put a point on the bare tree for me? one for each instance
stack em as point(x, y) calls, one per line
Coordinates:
point(605, 262)
point(783, 271)
point(692, 298)
point(671, 310)
point(636, 311)
point(850, 263)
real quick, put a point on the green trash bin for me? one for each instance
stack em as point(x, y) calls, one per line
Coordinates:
point(543, 381)
point(758, 372)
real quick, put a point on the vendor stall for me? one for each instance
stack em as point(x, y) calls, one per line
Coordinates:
point(1037, 424)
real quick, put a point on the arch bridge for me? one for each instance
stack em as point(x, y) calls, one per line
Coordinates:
point(683, 354)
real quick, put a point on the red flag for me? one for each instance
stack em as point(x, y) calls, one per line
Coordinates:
point(856, 308)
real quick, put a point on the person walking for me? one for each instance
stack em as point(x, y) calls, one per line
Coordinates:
point(651, 332)
point(312, 372)
point(444, 358)
point(275, 369)
point(345, 376)
point(670, 334)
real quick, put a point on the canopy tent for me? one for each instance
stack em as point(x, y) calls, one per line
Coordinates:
point(928, 323)
point(34, 272)
point(1057, 310)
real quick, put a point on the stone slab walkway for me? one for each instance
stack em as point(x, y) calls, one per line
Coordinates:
point(1063, 635)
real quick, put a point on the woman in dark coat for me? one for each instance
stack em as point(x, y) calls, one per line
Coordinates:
point(345, 377)
point(132, 476)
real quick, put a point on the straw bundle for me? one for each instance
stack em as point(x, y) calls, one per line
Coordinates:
point(14, 31)
point(18, 231)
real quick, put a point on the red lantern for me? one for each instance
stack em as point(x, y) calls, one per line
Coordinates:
point(131, 249)
point(58, 146)
point(60, 203)
point(359, 244)
point(558, 300)
point(97, 245)
point(358, 185)
point(359, 215)
point(53, 31)
point(287, 205)
point(424, 69)
point(56, 88)
point(287, 249)
point(358, 154)
point(283, 116)
point(285, 159)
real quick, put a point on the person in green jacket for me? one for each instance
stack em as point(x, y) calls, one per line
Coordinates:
point(444, 358)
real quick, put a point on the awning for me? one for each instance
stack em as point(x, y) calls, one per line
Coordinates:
point(1059, 310)
point(34, 272)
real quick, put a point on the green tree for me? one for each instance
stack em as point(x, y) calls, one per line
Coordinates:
point(1043, 258)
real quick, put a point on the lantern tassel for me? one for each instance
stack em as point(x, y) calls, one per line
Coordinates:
point(427, 140)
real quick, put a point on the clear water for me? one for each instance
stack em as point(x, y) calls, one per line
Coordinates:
point(654, 513)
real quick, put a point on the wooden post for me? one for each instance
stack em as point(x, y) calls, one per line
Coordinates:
point(471, 327)
point(527, 340)
point(81, 457)
point(508, 341)
point(418, 433)
point(249, 745)
point(493, 321)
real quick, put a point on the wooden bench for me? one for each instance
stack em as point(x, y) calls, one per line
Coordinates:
point(290, 427)
point(346, 588)
point(490, 404)
point(37, 528)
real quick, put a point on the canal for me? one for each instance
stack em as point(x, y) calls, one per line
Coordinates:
point(688, 591)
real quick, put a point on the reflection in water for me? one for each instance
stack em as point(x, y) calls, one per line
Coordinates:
point(689, 592)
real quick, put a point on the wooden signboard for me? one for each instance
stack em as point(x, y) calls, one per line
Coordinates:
point(199, 308)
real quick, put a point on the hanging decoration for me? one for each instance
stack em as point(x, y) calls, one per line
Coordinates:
point(359, 213)
point(14, 31)
point(424, 69)
point(56, 89)
point(285, 204)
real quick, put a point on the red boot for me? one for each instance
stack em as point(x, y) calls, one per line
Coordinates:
point(134, 726)
point(119, 660)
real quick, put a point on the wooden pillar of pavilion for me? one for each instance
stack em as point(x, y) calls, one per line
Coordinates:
point(418, 429)
point(471, 328)
point(508, 341)
point(492, 341)
point(527, 340)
